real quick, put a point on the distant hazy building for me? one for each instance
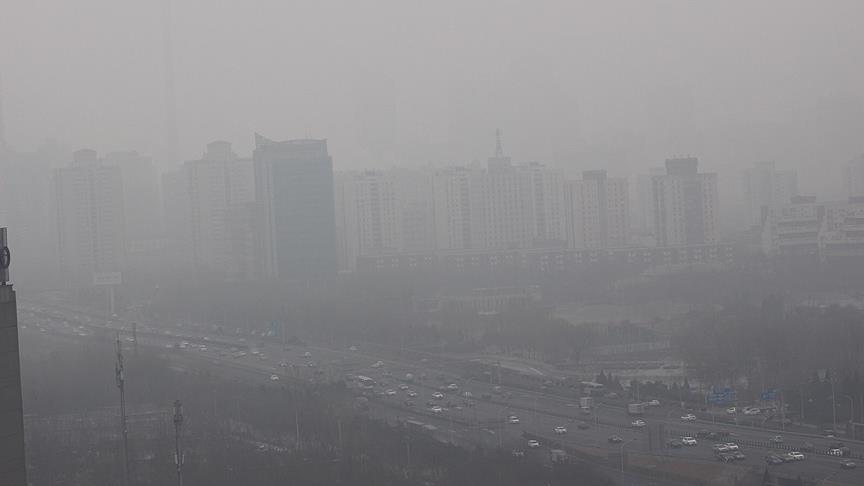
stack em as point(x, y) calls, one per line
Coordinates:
point(766, 187)
point(807, 227)
point(176, 216)
point(140, 194)
point(216, 185)
point(685, 204)
point(853, 176)
point(645, 199)
point(598, 211)
point(294, 190)
point(89, 204)
point(457, 210)
point(13, 470)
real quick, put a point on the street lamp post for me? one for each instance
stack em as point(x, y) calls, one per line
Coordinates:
point(622, 453)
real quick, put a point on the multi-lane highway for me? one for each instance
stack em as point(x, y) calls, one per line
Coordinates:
point(482, 417)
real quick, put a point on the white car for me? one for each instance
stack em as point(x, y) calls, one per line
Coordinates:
point(731, 410)
point(560, 430)
point(436, 409)
point(638, 424)
point(377, 364)
point(274, 377)
point(390, 392)
point(689, 441)
point(453, 387)
point(352, 348)
point(307, 354)
point(835, 452)
point(654, 403)
point(533, 444)
point(438, 396)
point(688, 418)
point(752, 411)
point(795, 456)
point(731, 446)
point(403, 387)
point(513, 419)
point(411, 393)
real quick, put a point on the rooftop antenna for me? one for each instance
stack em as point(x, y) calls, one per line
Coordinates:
point(121, 384)
point(499, 149)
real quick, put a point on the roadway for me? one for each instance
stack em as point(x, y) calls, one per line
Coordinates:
point(482, 422)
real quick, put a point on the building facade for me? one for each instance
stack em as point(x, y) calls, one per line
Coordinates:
point(295, 192)
point(685, 204)
point(598, 209)
point(89, 205)
point(766, 187)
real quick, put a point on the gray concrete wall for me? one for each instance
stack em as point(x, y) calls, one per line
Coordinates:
point(12, 464)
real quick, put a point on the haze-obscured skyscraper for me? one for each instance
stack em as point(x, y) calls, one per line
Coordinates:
point(89, 203)
point(766, 187)
point(685, 204)
point(853, 176)
point(598, 211)
point(294, 191)
point(217, 185)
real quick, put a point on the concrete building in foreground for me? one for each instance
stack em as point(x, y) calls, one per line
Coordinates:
point(13, 471)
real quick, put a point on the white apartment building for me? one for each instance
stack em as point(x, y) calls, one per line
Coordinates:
point(598, 211)
point(685, 204)
point(89, 205)
point(216, 185)
point(457, 209)
point(766, 187)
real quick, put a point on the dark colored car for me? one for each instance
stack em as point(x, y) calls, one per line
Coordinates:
point(739, 456)
point(675, 444)
point(725, 457)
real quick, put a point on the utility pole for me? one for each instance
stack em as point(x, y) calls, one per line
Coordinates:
point(178, 452)
point(121, 384)
point(135, 337)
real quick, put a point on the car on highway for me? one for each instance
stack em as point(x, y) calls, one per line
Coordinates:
point(390, 392)
point(688, 418)
point(438, 396)
point(774, 459)
point(436, 409)
point(675, 444)
point(731, 410)
point(795, 456)
point(352, 348)
point(614, 439)
point(560, 430)
point(274, 377)
point(403, 387)
point(411, 393)
point(513, 419)
point(689, 441)
point(377, 364)
point(533, 444)
point(777, 439)
point(518, 453)
point(654, 403)
point(839, 451)
point(732, 446)
point(638, 423)
point(848, 465)
point(453, 387)
point(720, 448)
point(739, 456)
point(307, 354)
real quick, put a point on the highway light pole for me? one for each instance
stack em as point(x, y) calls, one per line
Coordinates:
point(622, 453)
point(178, 453)
point(120, 377)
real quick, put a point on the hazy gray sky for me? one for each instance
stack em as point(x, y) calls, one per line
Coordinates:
point(621, 84)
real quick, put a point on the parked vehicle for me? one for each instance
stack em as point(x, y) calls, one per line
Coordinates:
point(689, 441)
point(688, 418)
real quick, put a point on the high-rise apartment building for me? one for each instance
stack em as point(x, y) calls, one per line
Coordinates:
point(853, 177)
point(89, 205)
point(295, 192)
point(217, 185)
point(598, 211)
point(13, 470)
point(685, 204)
point(766, 187)
point(140, 193)
point(645, 199)
point(457, 210)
